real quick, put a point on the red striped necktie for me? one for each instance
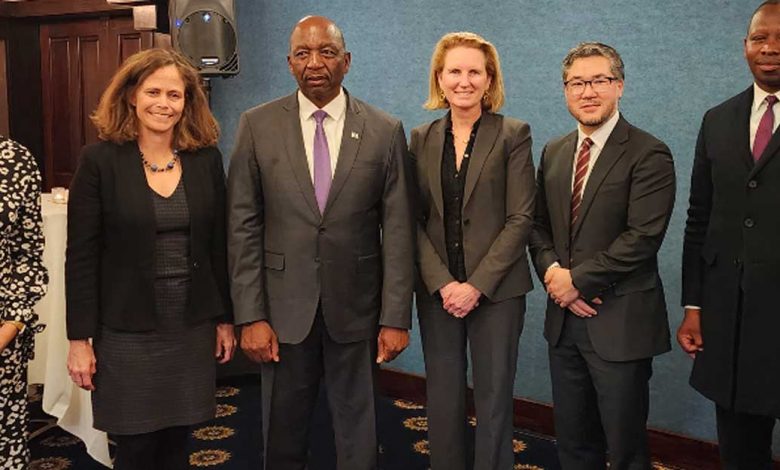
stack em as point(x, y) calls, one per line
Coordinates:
point(581, 169)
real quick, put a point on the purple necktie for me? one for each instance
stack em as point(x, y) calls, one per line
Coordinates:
point(322, 173)
point(765, 127)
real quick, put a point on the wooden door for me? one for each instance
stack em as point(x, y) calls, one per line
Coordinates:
point(78, 58)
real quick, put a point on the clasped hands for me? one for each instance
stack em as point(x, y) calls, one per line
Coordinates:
point(260, 343)
point(560, 288)
point(459, 298)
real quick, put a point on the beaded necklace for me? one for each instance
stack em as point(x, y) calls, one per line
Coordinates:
point(156, 169)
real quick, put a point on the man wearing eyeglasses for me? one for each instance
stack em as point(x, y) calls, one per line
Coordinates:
point(605, 193)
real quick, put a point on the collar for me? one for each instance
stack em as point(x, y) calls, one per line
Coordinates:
point(759, 95)
point(335, 109)
point(600, 135)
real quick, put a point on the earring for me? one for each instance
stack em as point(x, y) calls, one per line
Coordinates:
point(486, 97)
point(441, 95)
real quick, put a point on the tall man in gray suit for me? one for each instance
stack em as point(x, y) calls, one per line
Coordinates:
point(320, 250)
point(605, 193)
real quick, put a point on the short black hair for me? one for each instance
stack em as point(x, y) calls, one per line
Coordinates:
point(766, 3)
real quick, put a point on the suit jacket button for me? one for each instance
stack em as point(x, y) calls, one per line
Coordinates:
point(322, 229)
point(195, 265)
point(749, 223)
point(752, 184)
point(317, 259)
point(466, 221)
point(737, 261)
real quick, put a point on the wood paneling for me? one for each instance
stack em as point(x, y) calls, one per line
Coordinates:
point(49, 8)
point(78, 58)
point(3, 90)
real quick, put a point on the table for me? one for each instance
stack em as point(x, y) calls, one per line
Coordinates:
point(71, 405)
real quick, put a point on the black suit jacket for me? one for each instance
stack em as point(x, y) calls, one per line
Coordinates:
point(498, 206)
point(612, 249)
point(356, 260)
point(731, 261)
point(109, 264)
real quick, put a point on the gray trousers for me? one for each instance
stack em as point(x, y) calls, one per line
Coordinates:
point(290, 389)
point(492, 332)
point(598, 404)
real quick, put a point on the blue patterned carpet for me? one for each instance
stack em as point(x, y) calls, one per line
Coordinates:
point(233, 440)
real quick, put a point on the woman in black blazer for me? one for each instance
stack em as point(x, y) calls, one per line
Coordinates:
point(475, 195)
point(148, 305)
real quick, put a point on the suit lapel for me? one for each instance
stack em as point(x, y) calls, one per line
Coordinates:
point(350, 144)
point(742, 138)
point(434, 148)
point(564, 162)
point(483, 145)
point(137, 195)
point(296, 152)
point(614, 148)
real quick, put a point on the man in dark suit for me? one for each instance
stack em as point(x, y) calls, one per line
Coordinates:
point(320, 250)
point(731, 256)
point(605, 193)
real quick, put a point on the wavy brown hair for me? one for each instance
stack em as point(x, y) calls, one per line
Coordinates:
point(494, 96)
point(115, 117)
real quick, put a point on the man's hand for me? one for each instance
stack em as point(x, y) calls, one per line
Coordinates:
point(259, 343)
point(581, 308)
point(463, 299)
point(559, 283)
point(390, 343)
point(226, 343)
point(82, 363)
point(689, 333)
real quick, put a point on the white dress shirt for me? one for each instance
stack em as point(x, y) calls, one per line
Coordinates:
point(599, 138)
point(333, 125)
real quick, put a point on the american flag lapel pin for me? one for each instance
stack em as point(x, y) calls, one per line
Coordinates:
point(355, 135)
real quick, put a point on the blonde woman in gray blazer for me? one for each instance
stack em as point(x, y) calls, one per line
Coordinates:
point(475, 202)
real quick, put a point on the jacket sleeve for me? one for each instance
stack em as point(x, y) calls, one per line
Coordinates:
point(219, 235)
point(24, 277)
point(397, 238)
point(82, 255)
point(699, 208)
point(542, 246)
point(245, 230)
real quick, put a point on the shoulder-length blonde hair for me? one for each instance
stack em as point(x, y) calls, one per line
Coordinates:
point(494, 96)
point(115, 117)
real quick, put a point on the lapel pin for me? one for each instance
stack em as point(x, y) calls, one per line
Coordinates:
point(355, 135)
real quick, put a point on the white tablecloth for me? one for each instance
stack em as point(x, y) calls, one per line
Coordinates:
point(61, 398)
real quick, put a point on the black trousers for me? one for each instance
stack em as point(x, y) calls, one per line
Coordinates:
point(165, 449)
point(492, 332)
point(745, 440)
point(598, 405)
point(290, 389)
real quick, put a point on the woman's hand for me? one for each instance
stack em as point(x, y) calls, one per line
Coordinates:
point(226, 343)
point(462, 300)
point(82, 363)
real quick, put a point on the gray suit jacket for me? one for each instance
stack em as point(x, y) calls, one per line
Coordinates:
point(612, 249)
point(498, 206)
point(285, 258)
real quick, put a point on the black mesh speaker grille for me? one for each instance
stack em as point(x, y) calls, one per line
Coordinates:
point(208, 39)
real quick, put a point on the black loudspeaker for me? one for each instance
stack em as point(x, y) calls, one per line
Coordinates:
point(204, 31)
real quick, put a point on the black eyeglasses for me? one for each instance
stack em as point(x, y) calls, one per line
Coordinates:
point(599, 85)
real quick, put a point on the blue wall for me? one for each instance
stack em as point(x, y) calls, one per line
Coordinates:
point(681, 59)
